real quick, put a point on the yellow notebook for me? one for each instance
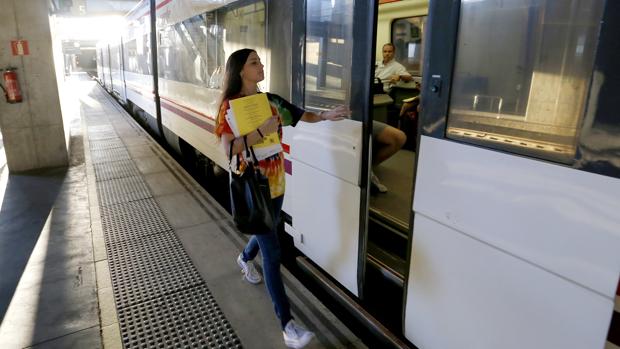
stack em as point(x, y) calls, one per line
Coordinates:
point(248, 113)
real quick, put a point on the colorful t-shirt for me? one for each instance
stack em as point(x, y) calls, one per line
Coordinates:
point(273, 166)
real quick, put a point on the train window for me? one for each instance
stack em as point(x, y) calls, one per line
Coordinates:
point(137, 55)
point(521, 74)
point(131, 56)
point(182, 54)
point(407, 37)
point(244, 26)
point(215, 54)
point(195, 49)
point(329, 47)
point(115, 59)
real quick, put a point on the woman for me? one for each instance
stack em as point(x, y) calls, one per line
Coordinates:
point(244, 71)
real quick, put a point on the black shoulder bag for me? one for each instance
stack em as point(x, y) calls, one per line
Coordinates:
point(250, 197)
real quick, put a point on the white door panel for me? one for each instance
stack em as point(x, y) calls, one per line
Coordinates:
point(463, 293)
point(563, 220)
point(333, 147)
point(326, 222)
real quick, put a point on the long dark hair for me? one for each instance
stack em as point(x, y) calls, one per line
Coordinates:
point(232, 77)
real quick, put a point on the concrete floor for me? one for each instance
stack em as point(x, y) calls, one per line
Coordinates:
point(48, 291)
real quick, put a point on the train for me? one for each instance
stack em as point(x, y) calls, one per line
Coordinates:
point(500, 226)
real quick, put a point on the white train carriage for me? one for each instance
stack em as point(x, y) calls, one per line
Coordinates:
point(499, 228)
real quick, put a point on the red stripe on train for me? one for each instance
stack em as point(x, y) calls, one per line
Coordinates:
point(163, 3)
point(194, 120)
point(140, 91)
point(286, 148)
point(186, 107)
point(288, 166)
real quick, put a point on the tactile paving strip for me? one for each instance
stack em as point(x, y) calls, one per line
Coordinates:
point(99, 135)
point(116, 169)
point(108, 155)
point(142, 269)
point(119, 190)
point(95, 121)
point(133, 219)
point(100, 128)
point(106, 144)
point(125, 132)
point(187, 319)
point(162, 301)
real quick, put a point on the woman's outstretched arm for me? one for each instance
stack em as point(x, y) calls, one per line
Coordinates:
point(335, 114)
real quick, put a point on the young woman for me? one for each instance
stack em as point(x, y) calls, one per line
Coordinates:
point(244, 71)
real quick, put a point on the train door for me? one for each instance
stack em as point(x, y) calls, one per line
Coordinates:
point(100, 64)
point(116, 69)
point(325, 191)
point(515, 242)
point(123, 61)
point(107, 67)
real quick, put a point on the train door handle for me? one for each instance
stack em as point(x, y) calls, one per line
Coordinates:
point(435, 84)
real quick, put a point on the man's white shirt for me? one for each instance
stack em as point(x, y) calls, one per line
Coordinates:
point(384, 71)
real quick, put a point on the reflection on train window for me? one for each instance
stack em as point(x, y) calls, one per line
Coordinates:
point(521, 74)
point(328, 48)
point(407, 37)
point(137, 55)
point(182, 52)
point(195, 49)
point(115, 59)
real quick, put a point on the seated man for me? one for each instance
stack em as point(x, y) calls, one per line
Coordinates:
point(387, 140)
point(389, 72)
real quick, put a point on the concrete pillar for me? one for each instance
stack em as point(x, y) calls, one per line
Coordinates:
point(33, 131)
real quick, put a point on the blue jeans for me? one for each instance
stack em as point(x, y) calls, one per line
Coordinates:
point(270, 250)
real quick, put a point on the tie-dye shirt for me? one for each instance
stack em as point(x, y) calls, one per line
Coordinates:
point(273, 166)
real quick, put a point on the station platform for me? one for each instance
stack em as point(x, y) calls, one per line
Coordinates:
point(124, 249)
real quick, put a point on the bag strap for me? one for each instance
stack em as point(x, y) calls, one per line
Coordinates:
point(230, 152)
point(249, 150)
point(230, 155)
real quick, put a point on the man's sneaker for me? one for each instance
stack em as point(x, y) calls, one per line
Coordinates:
point(296, 336)
point(249, 270)
point(374, 181)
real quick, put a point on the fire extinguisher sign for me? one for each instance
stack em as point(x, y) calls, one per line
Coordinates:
point(20, 47)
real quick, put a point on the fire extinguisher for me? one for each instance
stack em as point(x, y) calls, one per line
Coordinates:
point(11, 85)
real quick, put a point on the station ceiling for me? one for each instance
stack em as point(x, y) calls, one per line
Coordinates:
point(69, 8)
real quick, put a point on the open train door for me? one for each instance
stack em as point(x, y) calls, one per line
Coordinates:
point(327, 162)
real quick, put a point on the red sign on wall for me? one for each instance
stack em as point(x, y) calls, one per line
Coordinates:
point(20, 47)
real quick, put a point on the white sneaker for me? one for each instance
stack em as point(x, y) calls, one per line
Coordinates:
point(374, 180)
point(296, 336)
point(249, 271)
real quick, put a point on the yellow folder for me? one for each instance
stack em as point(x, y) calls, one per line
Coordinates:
point(249, 113)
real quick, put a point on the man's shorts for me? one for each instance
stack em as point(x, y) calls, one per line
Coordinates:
point(377, 128)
